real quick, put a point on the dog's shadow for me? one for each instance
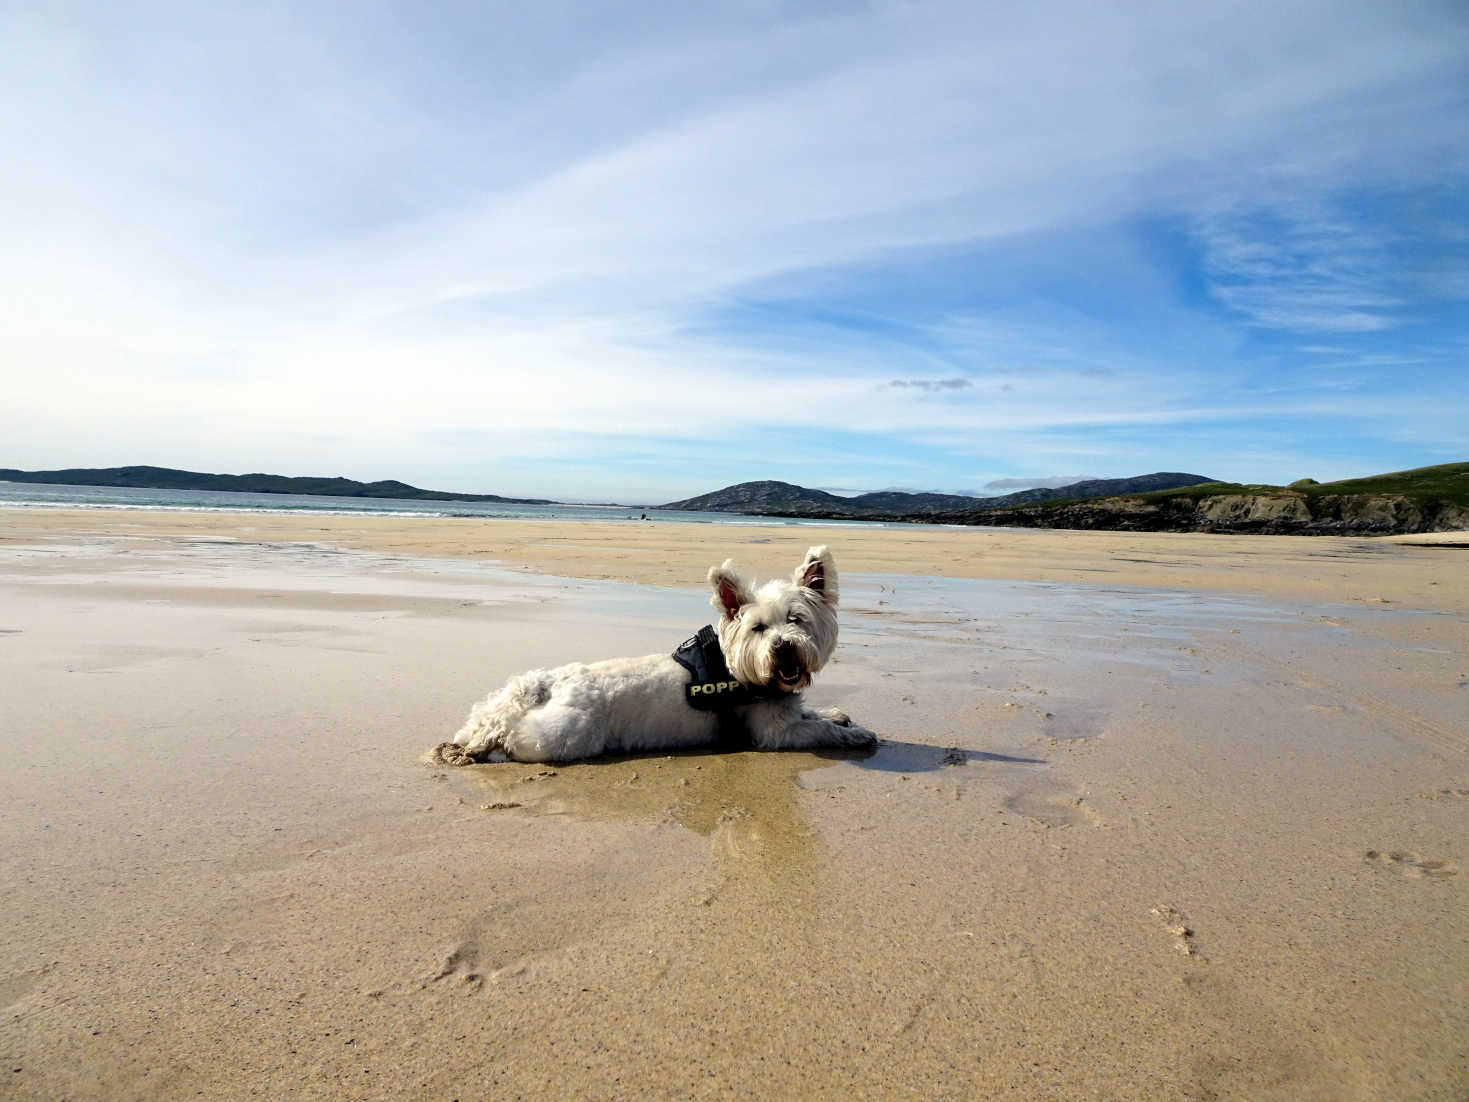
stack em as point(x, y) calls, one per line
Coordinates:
point(894, 756)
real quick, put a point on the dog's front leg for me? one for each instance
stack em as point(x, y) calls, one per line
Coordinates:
point(789, 727)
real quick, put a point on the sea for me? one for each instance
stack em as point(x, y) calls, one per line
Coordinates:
point(24, 495)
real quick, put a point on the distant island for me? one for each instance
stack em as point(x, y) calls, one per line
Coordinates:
point(166, 478)
point(1425, 499)
point(782, 499)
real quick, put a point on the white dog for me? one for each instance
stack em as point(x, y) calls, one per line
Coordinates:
point(745, 683)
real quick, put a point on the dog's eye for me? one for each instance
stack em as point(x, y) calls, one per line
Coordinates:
point(795, 618)
point(757, 627)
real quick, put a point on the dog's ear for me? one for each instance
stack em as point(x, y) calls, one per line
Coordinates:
point(818, 573)
point(731, 591)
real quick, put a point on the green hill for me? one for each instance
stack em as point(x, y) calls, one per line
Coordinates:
point(1424, 499)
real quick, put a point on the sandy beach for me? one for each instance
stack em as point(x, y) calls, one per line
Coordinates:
point(1162, 816)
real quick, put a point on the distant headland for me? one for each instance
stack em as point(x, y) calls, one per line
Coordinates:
point(166, 478)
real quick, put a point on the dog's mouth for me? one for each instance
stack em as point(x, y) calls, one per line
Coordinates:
point(789, 673)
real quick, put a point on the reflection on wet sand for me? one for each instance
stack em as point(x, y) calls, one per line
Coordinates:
point(746, 803)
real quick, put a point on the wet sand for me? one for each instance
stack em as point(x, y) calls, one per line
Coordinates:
point(1291, 567)
point(1156, 816)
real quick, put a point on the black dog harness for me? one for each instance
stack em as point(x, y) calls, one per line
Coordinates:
point(711, 687)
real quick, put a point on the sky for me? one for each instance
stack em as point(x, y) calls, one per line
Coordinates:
point(635, 252)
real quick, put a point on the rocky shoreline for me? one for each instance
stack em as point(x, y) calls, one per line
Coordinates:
point(1276, 513)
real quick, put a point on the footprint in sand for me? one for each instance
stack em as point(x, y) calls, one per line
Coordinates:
point(1176, 923)
point(1410, 865)
point(460, 967)
point(1053, 806)
point(18, 985)
point(1445, 794)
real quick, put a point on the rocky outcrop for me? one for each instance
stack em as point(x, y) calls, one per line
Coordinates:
point(1253, 512)
point(1385, 513)
point(1276, 513)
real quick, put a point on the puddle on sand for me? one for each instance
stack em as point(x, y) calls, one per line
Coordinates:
point(313, 576)
point(1068, 623)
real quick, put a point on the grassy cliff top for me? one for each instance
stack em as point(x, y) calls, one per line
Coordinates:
point(1446, 482)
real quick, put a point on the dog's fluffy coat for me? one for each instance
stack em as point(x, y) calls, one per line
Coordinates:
point(774, 639)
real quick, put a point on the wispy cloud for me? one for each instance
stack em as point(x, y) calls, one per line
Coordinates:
point(931, 385)
point(1332, 265)
point(1299, 270)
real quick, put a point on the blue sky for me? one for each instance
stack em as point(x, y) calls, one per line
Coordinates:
point(636, 252)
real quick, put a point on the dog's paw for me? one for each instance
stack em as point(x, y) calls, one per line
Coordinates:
point(831, 715)
point(450, 753)
point(850, 734)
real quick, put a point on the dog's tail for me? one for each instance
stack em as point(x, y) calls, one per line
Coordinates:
point(491, 723)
